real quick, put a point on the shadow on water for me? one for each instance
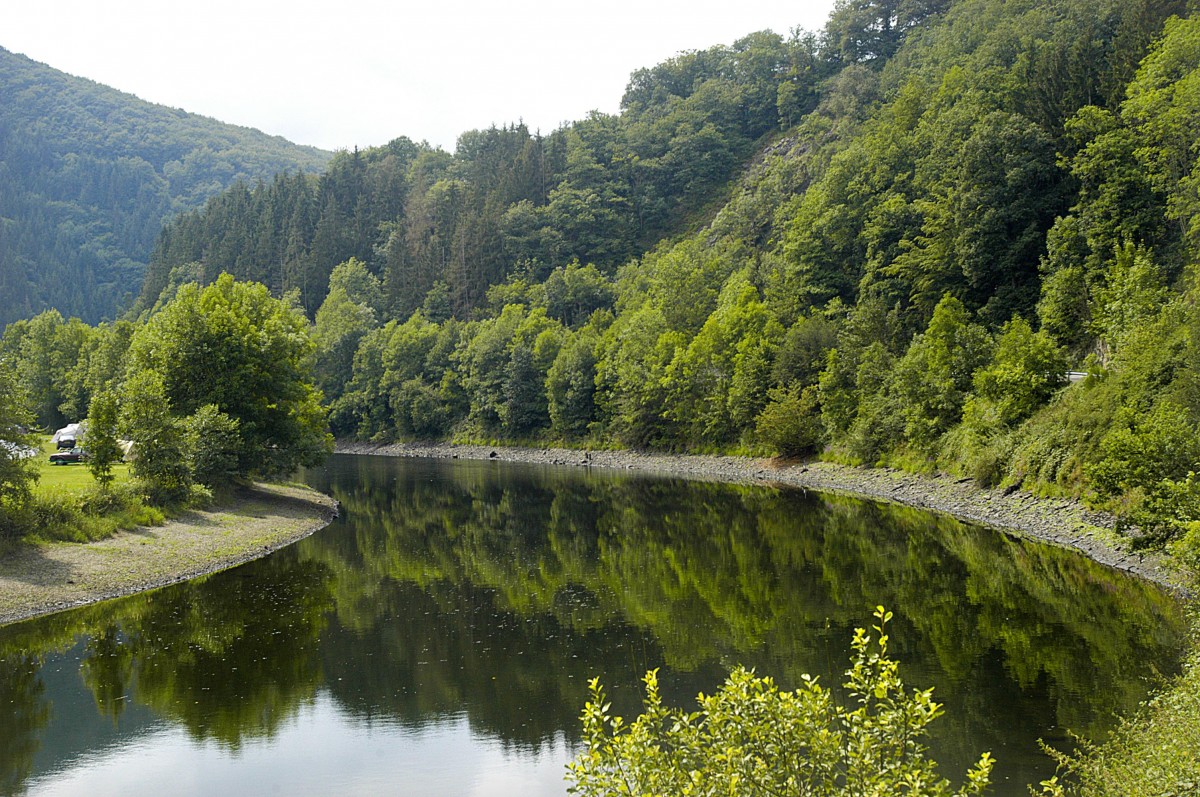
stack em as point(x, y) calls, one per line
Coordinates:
point(494, 592)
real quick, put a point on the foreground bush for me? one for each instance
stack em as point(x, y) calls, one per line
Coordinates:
point(1151, 754)
point(752, 739)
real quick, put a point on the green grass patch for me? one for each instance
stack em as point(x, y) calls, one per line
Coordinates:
point(68, 505)
point(70, 478)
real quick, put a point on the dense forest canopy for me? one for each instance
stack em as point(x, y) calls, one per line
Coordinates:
point(883, 243)
point(88, 175)
point(600, 191)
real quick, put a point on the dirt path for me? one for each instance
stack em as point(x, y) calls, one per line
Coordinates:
point(1061, 522)
point(44, 578)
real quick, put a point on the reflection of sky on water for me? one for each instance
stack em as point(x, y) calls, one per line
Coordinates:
point(322, 751)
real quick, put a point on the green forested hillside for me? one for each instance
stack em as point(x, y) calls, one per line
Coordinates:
point(509, 201)
point(88, 175)
point(954, 236)
point(886, 243)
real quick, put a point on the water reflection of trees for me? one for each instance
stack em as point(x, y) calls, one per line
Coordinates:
point(496, 592)
point(23, 698)
point(229, 658)
point(707, 575)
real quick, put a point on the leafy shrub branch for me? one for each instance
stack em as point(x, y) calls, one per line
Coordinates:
point(751, 738)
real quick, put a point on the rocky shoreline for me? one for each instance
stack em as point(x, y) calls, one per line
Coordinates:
point(50, 577)
point(1060, 522)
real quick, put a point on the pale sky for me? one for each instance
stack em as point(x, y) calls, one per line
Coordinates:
point(362, 72)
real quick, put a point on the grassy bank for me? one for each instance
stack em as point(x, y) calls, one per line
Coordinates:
point(66, 503)
point(71, 478)
point(40, 577)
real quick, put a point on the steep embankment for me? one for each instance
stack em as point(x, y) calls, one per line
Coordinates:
point(40, 579)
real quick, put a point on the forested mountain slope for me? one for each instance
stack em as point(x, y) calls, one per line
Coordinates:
point(885, 243)
point(903, 275)
point(88, 175)
point(509, 200)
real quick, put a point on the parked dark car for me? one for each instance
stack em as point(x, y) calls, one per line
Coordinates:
point(67, 457)
point(65, 443)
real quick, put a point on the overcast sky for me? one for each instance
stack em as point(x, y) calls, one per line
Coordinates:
point(362, 72)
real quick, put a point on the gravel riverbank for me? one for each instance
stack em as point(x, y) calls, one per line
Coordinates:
point(1057, 521)
point(49, 577)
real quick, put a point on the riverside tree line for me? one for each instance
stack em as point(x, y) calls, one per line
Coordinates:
point(884, 243)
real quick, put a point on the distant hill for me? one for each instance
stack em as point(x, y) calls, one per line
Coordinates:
point(89, 174)
point(510, 201)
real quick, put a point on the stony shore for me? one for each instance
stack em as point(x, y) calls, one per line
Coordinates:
point(49, 577)
point(45, 578)
point(1061, 522)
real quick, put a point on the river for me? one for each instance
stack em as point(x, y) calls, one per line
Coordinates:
point(437, 639)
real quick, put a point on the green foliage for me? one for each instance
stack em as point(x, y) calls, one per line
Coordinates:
point(399, 382)
point(876, 427)
point(574, 293)
point(92, 174)
point(17, 470)
point(1163, 105)
point(213, 444)
point(717, 384)
point(1141, 449)
point(1050, 450)
point(1063, 305)
point(872, 31)
point(790, 423)
point(159, 455)
point(504, 369)
point(1186, 548)
point(43, 350)
point(934, 377)
point(571, 384)
point(750, 738)
point(421, 411)
point(233, 346)
point(803, 352)
point(357, 283)
point(633, 357)
point(340, 326)
point(1133, 294)
point(103, 447)
point(1025, 370)
point(89, 515)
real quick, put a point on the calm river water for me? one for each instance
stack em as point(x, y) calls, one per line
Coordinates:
point(438, 638)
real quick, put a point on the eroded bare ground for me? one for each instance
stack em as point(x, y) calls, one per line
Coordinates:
point(1058, 521)
point(43, 578)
